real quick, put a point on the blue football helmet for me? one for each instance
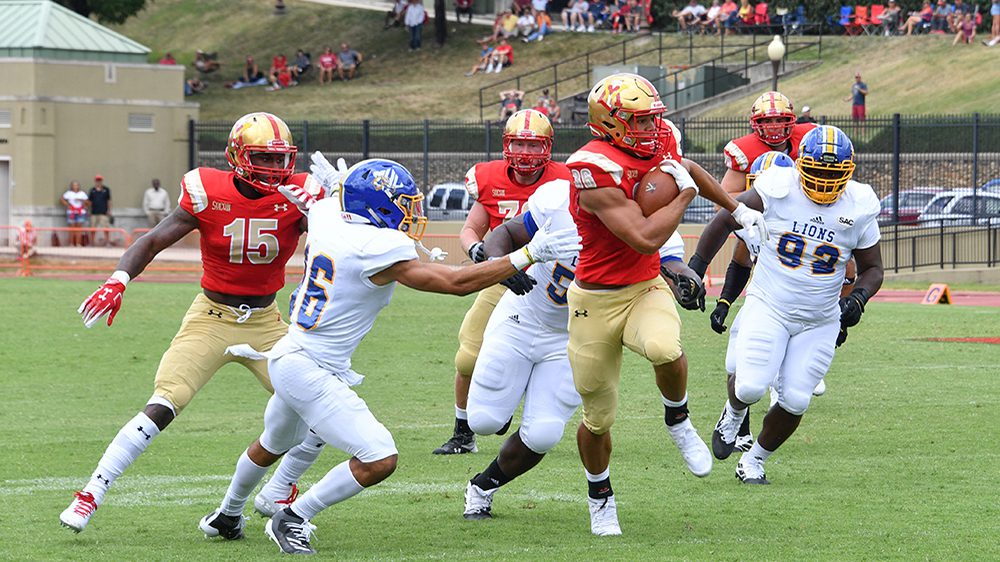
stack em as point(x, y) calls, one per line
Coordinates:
point(765, 161)
point(825, 163)
point(385, 193)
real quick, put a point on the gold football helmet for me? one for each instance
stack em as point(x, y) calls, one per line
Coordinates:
point(772, 118)
point(825, 163)
point(261, 133)
point(617, 103)
point(531, 126)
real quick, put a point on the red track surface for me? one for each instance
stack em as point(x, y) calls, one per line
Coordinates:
point(962, 298)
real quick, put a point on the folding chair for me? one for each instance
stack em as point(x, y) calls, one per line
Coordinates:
point(861, 21)
point(846, 19)
point(874, 19)
point(760, 16)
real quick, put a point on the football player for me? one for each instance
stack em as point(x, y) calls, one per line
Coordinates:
point(818, 219)
point(524, 352)
point(500, 188)
point(618, 297)
point(354, 259)
point(248, 232)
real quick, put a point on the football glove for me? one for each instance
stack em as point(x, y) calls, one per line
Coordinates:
point(520, 283)
point(477, 253)
point(328, 176)
point(690, 291)
point(718, 316)
point(299, 197)
point(841, 337)
point(751, 220)
point(681, 175)
point(107, 299)
point(852, 307)
point(548, 245)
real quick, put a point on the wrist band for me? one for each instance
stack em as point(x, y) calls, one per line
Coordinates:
point(521, 259)
point(121, 276)
point(724, 301)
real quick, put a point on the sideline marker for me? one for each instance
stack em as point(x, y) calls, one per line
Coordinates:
point(937, 293)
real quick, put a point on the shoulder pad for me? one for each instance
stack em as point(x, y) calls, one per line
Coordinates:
point(550, 196)
point(676, 151)
point(471, 185)
point(193, 186)
point(864, 197)
point(736, 159)
point(775, 182)
point(589, 168)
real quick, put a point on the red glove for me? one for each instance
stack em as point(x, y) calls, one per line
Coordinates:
point(106, 299)
point(299, 197)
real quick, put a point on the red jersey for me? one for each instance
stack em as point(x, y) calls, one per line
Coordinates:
point(502, 197)
point(740, 153)
point(605, 258)
point(245, 243)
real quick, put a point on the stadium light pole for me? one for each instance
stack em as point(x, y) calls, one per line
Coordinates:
point(775, 52)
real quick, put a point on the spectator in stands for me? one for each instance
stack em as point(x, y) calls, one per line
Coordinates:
point(619, 12)
point(916, 19)
point(540, 5)
point(77, 204)
point(282, 79)
point(600, 14)
point(29, 241)
point(549, 106)
point(510, 103)
point(738, 16)
point(503, 56)
point(348, 61)
point(485, 55)
point(300, 65)
point(525, 24)
point(327, 64)
point(156, 203)
point(890, 18)
point(395, 16)
point(168, 59)
point(995, 29)
point(205, 62)
point(966, 30)
point(691, 16)
point(100, 207)
point(279, 62)
point(711, 19)
point(859, 91)
point(414, 19)
point(806, 115)
point(941, 17)
point(957, 16)
point(543, 26)
point(194, 86)
point(577, 17)
point(505, 25)
point(252, 76)
point(463, 7)
point(728, 10)
point(633, 20)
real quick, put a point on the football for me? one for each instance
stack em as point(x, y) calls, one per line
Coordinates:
point(656, 189)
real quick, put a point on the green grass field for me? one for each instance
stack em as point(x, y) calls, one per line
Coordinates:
point(897, 461)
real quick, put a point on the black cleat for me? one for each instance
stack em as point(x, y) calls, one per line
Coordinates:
point(463, 440)
point(218, 524)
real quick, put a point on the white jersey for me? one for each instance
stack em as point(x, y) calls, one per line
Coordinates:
point(546, 303)
point(336, 303)
point(800, 270)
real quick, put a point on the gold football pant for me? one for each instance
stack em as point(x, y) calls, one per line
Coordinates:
point(642, 317)
point(470, 335)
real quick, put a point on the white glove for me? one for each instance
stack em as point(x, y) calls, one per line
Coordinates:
point(434, 254)
point(298, 196)
point(328, 176)
point(751, 220)
point(548, 246)
point(681, 175)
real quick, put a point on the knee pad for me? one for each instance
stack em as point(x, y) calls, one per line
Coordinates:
point(482, 423)
point(280, 443)
point(750, 390)
point(794, 402)
point(659, 352)
point(542, 435)
point(465, 360)
point(598, 420)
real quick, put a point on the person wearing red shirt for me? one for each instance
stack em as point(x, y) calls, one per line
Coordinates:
point(618, 297)
point(279, 63)
point(327, 64)
point(248, 232)
point(168, 59)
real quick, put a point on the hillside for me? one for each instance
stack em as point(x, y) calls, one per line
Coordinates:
point(905, 76)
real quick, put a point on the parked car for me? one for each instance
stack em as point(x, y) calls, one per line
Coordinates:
point(955, 207)
point(911, 202)
point(700, 210)
point(992, 185)
point(448, 202)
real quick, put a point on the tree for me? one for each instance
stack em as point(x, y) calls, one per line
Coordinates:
point(107, 11)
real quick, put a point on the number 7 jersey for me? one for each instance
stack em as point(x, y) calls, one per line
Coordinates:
point(245, 243)
point(503, 198)
point(800, 269)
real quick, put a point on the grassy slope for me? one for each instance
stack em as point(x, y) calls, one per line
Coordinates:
point(905, 74)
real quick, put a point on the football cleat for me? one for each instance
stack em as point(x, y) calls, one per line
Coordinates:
point(478, 502)
point(692, 448)
point(604, 517)
point(290, 532)
point(725, 433)
point(820, 389)
point(78, 514)
point(744, 442)
point(268, 506)
point(460, 443)
point(750, 470)
point(218, 524)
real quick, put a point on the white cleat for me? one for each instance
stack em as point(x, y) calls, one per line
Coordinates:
point(750, 470)
point(820, 389)
point(692, 448)
point(78, 514)
point(604, 517)
point(267, 506)
point(478, 502)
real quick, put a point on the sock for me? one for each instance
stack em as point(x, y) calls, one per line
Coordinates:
point(131, 441)
point(338, 485)
point(461, 413)
point(599, 485)
point(745, 426)
point(245, 479)
point(759, 452)
point(294, 464)
point(674, 412)
point(491, 478)
point(462, 422)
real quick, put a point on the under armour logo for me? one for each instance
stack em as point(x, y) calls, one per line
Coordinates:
point(216, 313)
point(280, 207)
point(107, 482)
point(148, 436)
point(104, 294)
point(579, 313)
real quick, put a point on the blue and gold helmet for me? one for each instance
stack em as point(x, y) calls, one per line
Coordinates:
point(385, 194)
point(825, 163)
point(765, 161)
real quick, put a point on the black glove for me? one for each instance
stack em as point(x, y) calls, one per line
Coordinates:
point(477, 253)
point(718, 316)
point(852, 307)
point(520, 283)
point(841, 337)
point(690, 291)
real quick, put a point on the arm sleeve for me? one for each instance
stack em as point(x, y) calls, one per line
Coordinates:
point(672, 249)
